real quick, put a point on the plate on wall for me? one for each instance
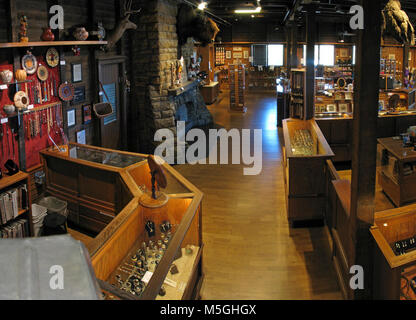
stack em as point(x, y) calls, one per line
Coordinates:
point(66, 92)
point(52, 57)
point(29, 63)
point(43, 73)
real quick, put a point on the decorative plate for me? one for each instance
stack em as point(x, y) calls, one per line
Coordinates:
point(29, 63)
point(52, 57)
point(43, 73)
point(21, 100)
point(66, 92)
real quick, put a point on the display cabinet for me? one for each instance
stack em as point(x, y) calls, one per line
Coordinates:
point(393, 273)
point(139, 252)
point(305, 155)
point(297, 93)
point(397, 175)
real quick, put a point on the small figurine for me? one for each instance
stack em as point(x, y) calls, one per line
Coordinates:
point(23, 29)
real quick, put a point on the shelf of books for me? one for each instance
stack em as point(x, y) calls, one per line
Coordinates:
point(15, 214)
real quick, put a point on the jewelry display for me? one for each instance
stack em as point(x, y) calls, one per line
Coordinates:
point(302, 143)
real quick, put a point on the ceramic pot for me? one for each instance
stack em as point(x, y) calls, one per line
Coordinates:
point(81, 34)
point(9, 109)
point(21, 75)
point(6, 76)
point(48, 35)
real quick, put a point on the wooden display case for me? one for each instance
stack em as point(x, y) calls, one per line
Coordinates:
point(398, 175)
point(297, 93)
point(305, 155)
point(390, 270)
point(83, 174)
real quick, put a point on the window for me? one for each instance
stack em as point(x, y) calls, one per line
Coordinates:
point(324, 55)
point(275, 55)
point(268, 55)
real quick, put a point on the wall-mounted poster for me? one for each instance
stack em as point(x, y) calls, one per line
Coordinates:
point(238, 55)
point(228, 55)
point(87, 114)
point(81, 139)
point(76, 72)
point(71, 118)
point(237, 49)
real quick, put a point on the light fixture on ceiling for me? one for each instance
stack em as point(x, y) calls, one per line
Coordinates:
point(248, 11)
point(202, 6)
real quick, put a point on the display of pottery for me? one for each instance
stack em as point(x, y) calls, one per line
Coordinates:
point(81, 34)
point(48, 35)
point(21, 100)
point(52, 57)
point(30, 63)
point(9, 109)
point(6, 76)
point(21, 75)
point(23, 29)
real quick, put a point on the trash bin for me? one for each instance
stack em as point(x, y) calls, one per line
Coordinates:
point(38, 215)
point(55, 221)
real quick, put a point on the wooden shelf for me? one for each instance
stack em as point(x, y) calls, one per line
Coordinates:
point(50, 44)
point(7, 181)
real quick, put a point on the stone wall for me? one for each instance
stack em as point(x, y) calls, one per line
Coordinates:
point(155, 48)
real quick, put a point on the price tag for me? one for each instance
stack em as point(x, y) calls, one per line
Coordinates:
point(30, 107)
point(3, 87)
point(4, 120)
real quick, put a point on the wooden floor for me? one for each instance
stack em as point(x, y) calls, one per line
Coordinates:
point(250, 250)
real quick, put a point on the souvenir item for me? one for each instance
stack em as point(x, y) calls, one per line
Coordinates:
point(23, 29)
point(21, 100)
point(66, 92)
point(9, 109)
point(81, 34)
point(52, 57)
point(43, 73)
point(6, 76)
point(29, 63)
point(48, 35)
point(21, 75)
point(150, 228)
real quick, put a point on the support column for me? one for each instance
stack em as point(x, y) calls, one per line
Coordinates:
point(294, 49)
point(310, 63)
point(364, 146)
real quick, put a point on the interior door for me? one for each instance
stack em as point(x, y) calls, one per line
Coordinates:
point(110, 92)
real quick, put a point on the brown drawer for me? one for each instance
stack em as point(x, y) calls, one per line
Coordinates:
point(102, 216)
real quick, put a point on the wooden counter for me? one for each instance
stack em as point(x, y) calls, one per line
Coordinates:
point(105, 198)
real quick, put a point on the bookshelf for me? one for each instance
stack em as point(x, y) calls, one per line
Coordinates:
point(298, 93)
point(9, 183)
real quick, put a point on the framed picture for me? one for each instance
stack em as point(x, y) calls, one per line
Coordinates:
point(79, 95)
point(238, 55)
point(343, 53)
point(343, 107)
point(381, 105)
point(332, 108)
point(318, 108)
point(228, 54)
point(323, 108)
point(348, 96)
point(339, 96)
point(71, 119)
point(76, 70)
point(81, 137)
point(246, 54)
point(87, 114)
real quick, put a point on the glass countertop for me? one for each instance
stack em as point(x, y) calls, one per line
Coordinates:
point(113, 159)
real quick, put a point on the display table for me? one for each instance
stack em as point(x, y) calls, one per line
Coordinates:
point(397, 177)
point(305, 155)
point(104, 189)
point(210, 92)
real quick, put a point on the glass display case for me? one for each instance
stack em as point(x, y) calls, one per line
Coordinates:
point(305, 154)
point(141, 252)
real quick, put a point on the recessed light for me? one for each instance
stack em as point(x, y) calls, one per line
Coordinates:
point(257, 10)
point(202, 6)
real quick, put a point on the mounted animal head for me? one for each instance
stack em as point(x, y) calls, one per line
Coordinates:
point(124, 25)
point(192, 23)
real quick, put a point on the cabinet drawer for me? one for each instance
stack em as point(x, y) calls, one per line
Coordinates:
point(101, 216)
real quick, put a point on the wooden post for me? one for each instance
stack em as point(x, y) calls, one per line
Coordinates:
point(310, 63)
point(365, 142)
point(294, 38)
point(288, 49)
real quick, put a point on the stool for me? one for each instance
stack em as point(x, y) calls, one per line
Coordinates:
point(54, 224)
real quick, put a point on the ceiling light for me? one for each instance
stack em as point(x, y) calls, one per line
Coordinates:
point(257, 10)
point(202, 6)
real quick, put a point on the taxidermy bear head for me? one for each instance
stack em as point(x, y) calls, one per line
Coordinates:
point(192, 23)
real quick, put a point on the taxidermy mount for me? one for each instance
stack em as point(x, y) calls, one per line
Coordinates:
point(397, 23)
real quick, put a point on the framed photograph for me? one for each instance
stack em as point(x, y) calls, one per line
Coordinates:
point(348, 96)
point(318, 108)
point(71, 119)
point(246, 54)
point(343, 107)
point(332, 108)
point(87, 114)
point(339, 96)
point(79, 95)
point(237, 49)
point(238, 55)
point(76, 70)
point(343, 53)
point(228, 55)
point(81, 139)
point(323, 108)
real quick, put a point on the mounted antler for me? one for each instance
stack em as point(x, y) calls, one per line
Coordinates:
point(123, 25)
